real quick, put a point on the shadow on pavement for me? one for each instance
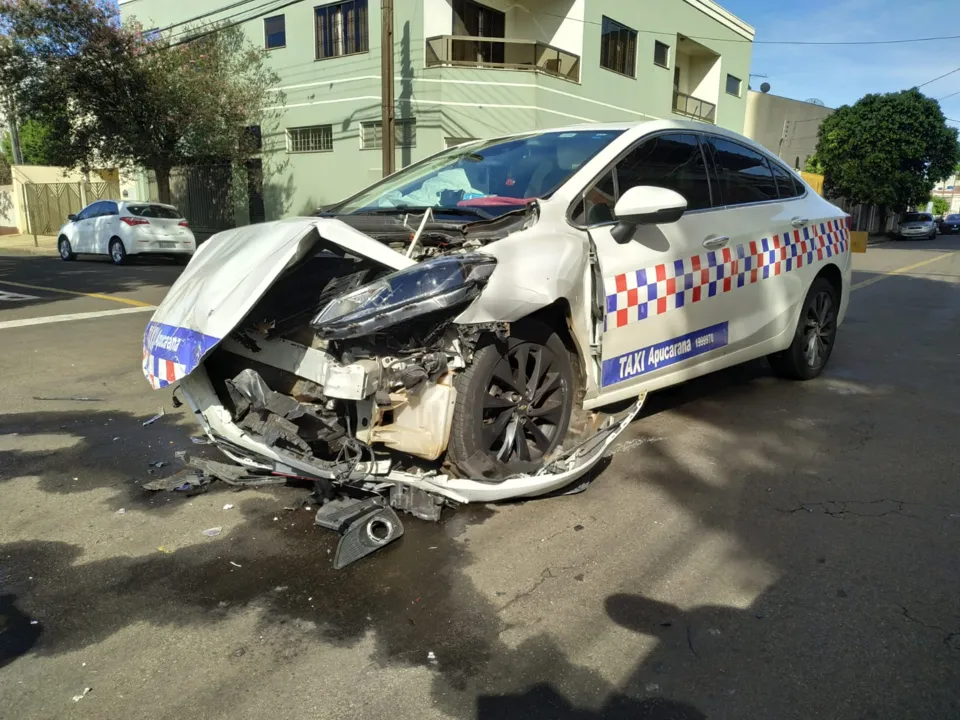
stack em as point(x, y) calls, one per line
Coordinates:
point(843, 490)
point(95, 276)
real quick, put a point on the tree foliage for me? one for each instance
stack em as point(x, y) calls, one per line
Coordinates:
point(119, 96)
point(6, 177)
point(38, 144)
point(887, 149)
point(940, 205)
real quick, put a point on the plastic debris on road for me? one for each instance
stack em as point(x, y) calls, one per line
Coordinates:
point(228, 506)
point(200, 440)
point(213, 532)
point(121, 511)
point(81, 696)
point(235, 564)
point(432, 658)
point(165, 550)
point(151, 421)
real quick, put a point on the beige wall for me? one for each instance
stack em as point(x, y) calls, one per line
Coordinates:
point(764, 123)
point(8, 216)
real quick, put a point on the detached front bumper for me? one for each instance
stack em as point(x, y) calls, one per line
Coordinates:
point(200, 395)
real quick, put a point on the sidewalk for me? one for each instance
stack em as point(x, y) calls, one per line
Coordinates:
point(24, 245)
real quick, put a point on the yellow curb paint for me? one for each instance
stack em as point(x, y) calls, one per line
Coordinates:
point(99, 296)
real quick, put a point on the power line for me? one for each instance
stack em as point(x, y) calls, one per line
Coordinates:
point(948, 96)
point(186, 34)
point(218, 28)
point(939, 77)
point(201, 17)
point(768, 42)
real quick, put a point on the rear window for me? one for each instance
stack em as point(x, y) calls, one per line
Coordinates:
point(916, 217)
point(154, 211)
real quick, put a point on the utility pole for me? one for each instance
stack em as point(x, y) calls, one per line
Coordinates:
point(14, 135)
point(387, 112)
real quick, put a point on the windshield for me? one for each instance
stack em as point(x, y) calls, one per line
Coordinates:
point(916, 217)
point(155, 211)
point(953, 218)
point(486, 178)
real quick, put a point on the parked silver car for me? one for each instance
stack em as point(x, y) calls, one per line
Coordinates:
point(916, 226)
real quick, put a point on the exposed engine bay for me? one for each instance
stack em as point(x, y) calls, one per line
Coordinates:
point(347, 370)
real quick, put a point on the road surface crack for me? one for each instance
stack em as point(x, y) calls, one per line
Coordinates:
point(546, 574)
point(950, 639)
point(857, 508)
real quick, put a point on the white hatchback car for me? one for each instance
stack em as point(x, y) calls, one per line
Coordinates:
point(456, 330)
point(121, 229)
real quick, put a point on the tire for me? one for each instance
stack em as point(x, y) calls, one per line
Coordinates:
point(814, 338)
point(118, 253)
point(65, 249)
point(505, 423)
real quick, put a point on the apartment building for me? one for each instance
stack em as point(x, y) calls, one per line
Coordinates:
point(465, 69)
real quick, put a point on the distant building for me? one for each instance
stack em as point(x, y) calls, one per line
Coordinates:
point(784, 126)
point(470, 70)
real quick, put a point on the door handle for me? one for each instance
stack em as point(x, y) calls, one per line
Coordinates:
point(715, 241)
point(799, 221)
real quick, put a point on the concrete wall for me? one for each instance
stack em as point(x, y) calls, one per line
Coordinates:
point(764, 123)
point(8, 215)
point(463, 102)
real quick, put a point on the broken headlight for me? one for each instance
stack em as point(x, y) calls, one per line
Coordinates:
point(438, 284)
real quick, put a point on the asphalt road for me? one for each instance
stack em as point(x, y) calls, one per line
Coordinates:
point(753, 549)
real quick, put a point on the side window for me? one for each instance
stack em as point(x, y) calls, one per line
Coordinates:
point(674, 162)
point(596, 206)
point(786, 183)
point(85, 213)
point(745, 175)
point(108, 208)
point(93, 211)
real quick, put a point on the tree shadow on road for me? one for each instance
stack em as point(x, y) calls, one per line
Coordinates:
point(837, 494)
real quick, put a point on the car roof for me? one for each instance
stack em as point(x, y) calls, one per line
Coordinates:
point(635, 129)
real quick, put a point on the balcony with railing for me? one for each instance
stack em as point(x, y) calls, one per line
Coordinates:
point(693, 107)
point(469, 51)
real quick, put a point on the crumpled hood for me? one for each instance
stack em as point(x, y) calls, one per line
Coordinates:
point(227, 276)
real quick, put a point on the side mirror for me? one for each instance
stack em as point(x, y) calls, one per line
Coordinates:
point(71, 217)
point(646, 205)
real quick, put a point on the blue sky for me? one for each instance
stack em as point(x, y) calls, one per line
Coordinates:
point(840, 75)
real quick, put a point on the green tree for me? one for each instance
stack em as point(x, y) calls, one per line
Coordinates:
point(940, 205)
point(6, 176)
point(814, 165)
point(135, 98)
point(37, 144)
point(887, 150)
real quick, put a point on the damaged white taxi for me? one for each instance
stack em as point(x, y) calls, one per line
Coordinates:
point(454, 332)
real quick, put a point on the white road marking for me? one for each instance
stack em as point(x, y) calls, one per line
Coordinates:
point(27, 322)
point(15, 297)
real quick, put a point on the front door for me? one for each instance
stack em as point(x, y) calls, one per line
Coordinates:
point(667, 290)
point(104, 227)
point(85, 222)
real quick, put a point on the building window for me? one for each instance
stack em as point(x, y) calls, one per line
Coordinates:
point(733, 85)
point(405, 134)
point(275, 32)
point(317, 138)
point(341, 29)
point(618, 48)
point(661, 54)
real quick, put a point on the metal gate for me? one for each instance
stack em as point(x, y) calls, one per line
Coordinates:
point(202, 193)
point(48, 204)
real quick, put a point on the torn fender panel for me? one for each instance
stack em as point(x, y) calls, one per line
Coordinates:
point(227, 277)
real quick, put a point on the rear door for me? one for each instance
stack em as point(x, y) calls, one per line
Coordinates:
point(105, 226)
point(665, 305)
point(781, 236)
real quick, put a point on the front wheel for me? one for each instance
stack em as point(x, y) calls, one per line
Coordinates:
point(118, 253)
point(815, 335)
point(513, 406)
point(66, 250)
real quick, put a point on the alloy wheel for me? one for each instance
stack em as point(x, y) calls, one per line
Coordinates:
point(116, 252)
point(64, 250)
point(820, 324)
point(523, 406)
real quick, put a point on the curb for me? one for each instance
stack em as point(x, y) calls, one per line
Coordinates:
point(35, 251)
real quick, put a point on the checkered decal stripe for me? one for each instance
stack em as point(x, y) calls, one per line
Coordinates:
point(637, 295)
point(160, 372)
